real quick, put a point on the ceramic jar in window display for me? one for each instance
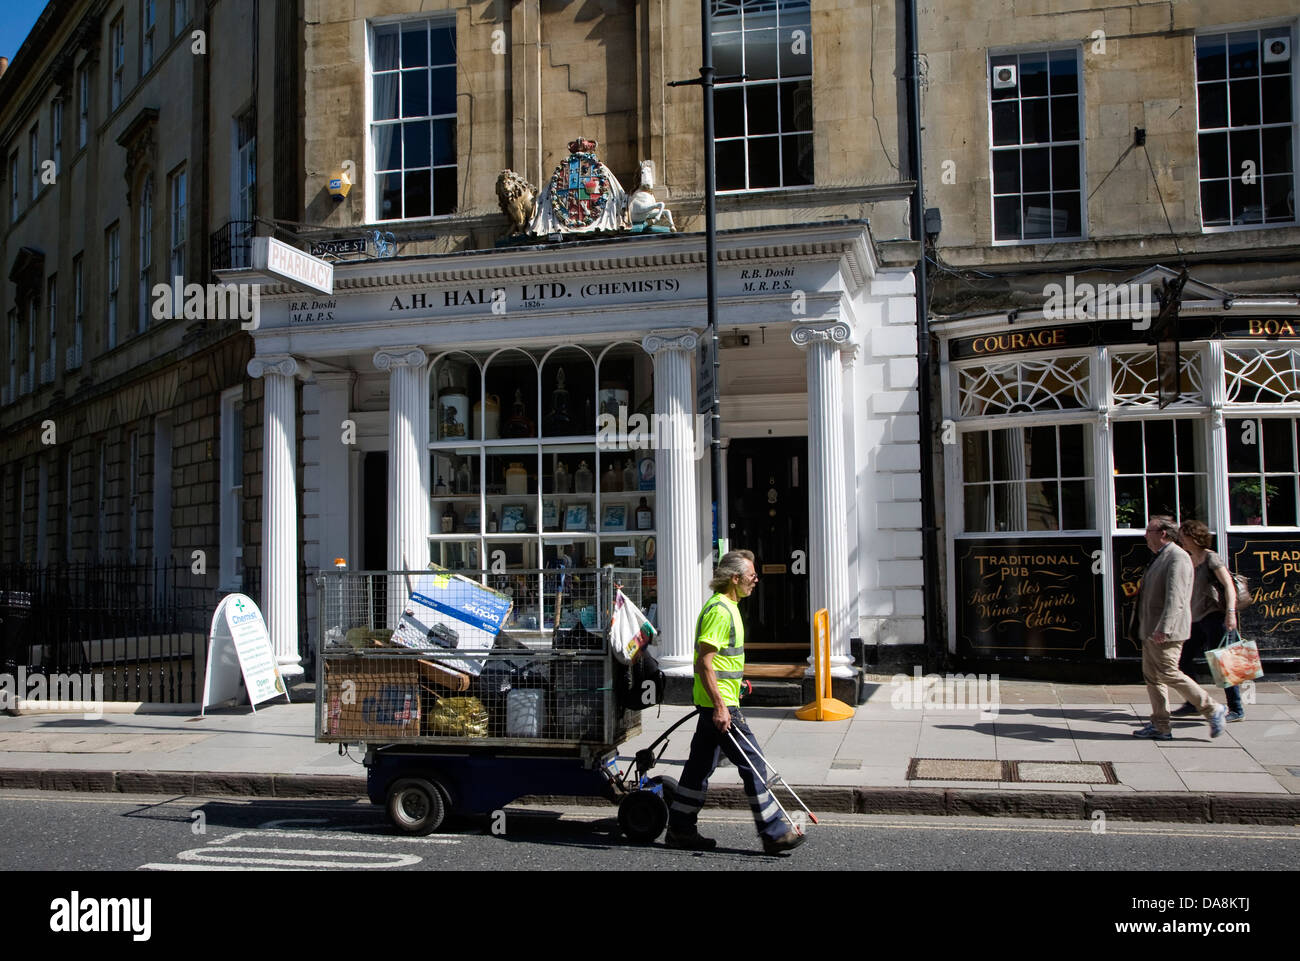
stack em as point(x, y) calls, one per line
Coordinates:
point(612, 479)
point(487, 418)
point(519, 424)
point(516, 478)
point(453, 404)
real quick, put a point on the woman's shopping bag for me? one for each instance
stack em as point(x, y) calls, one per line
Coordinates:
point(1235, 660)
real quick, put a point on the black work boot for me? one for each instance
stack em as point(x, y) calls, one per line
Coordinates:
point(689, 841)
point(786, 842)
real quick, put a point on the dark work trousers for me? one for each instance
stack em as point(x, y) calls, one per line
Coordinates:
point(1206, 634)
point(707, 748)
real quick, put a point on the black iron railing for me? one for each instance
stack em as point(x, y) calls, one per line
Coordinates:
point(232, 245)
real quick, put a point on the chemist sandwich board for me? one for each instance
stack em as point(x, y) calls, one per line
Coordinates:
point(239, 645)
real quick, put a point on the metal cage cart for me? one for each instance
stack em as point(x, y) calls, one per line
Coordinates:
point(470, 689)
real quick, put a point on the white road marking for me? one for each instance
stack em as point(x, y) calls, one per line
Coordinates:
point(336, 834)
point(360, 859)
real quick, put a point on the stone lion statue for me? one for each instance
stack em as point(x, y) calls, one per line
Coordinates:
point(518, 200)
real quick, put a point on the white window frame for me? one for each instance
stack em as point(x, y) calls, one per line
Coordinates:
point(78, 306)
point(34, 145)
point(374, 194)
point(176, 218)
point(117, 46)
point(781, 133)
point(113, 280)
point(83, 108)
point(1020, 148)
point(148, 21)
point(144, 257)
point(56, 134)
point(232, 489)
point(1294, 123)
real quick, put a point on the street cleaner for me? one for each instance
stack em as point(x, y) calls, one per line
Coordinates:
point(719, 672)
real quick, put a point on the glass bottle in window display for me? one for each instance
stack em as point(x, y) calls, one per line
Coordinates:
point(563, 479)
point(464, 479)
point(558, 422)
point(612, 479)
point(492, 523)
point(645, 519)
point(519, 425)
point(629, 474)
point(583, 479)
point(448, 519)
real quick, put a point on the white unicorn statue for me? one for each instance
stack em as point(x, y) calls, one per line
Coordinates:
point(643, 211)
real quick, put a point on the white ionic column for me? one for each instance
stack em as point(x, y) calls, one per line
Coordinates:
point(408, 452)
point(279, 506)
point(828, 547)
point(676, 517)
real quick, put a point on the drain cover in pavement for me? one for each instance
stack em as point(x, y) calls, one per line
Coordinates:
point(954, 769)
point(846, 764)
point(1063, 772)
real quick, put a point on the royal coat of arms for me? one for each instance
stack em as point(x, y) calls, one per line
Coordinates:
point(583, 196)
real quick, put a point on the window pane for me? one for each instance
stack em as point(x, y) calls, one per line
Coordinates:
point(729, 112)
point(1006, 172)
point(1279, 198)
point(1041, 506)
point(444, 91)
point(1006, 123)
point(726, 55)
point(1065, 71)
point(1281, 504)
point(1215, 208)
point(385, 96)
point(760, 54)
point(761, 116)
point(444, 141)
point(1162, 496)
point(1038, 215)
point(793, 62)
point(1279, 436)
point(1245, 501)
point(1276, 151)
point(1212, 105)
point(1007, 460)
point(1191, 497)
point(1188, 453)
point(1243, 54)
point(729, 158)
point(443, 44)
point(1006, 60)
point(975, 457)
point(1040, 451)
point(1006, 217)
point(1211, 58)
point(1065, 118)
point(797, 160)
point(1214, 155)
point(1244, 145)
point(1066, 214)
point(1274, 38)
point(384, 55)
point(1247, 202)
point(417, 194)
point(1004, 515)
point(977, 509)
point(1033, 75)
point(444, 190)
point(1159, 443)
point(1034, 124)
point(1130, 503)
point(415, 46)
point(415, 93)
point(1076, 505)
point(1243, 457)
point(1037, 169)
point(389, 189)
point(415, 140)
point(1075, 451)
point(1065, 168)
point(765, 162)
point(1243, 102)
point(796, 106)
point(1128, 447)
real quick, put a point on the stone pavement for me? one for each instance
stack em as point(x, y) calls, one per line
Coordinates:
point(1249, 774)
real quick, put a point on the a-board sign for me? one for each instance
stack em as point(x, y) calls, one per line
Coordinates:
point(240, 646)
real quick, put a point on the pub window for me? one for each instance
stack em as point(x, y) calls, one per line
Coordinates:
point(1024, 386)
point(1262, 471)
point(1160, 468)
point(1028, 478)
point(764, 124)
point(413, 118)
point(1135, 381)
point(1262, 376)
point(1037, 153)
point(1246, 127)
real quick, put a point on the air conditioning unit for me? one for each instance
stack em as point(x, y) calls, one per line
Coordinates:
point(73, 360)
point(1277, 49)
point(1004, 77)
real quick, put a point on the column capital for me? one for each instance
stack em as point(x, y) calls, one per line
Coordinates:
point(679, 339)
point(837, 332)
point(282, 364)
point(391, 357)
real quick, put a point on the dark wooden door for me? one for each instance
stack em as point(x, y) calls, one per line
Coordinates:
point(767, 505)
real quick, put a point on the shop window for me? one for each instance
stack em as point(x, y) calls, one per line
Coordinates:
point(1037, 153)
point(413, 119)
point(1024, 386)
point(1262, 376)
point(1135, 382)
point(1246, 127)
point(763, 124)
point(538, 460)
point(1262, 471)
point(1028, 479)
point(1160, 468)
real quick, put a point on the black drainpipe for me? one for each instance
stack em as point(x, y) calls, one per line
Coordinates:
point(934, 636)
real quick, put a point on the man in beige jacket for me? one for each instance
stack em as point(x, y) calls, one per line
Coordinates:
point(1165, 622)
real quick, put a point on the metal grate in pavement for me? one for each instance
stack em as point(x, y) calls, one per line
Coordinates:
point(1063, 772)
point(954, 769)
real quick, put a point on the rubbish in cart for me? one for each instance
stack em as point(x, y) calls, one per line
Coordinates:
point(459, 717)
point(447, 611)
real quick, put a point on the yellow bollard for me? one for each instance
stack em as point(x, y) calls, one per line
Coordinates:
point(824, 707)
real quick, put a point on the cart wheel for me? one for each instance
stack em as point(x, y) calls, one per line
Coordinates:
point(416, 806)
point(642, 815)
point(669, 786)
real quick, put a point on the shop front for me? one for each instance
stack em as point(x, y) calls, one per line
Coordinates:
point(539, 407)
point(1064, 438)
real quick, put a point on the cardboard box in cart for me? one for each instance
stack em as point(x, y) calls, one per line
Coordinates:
point(446, 614)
